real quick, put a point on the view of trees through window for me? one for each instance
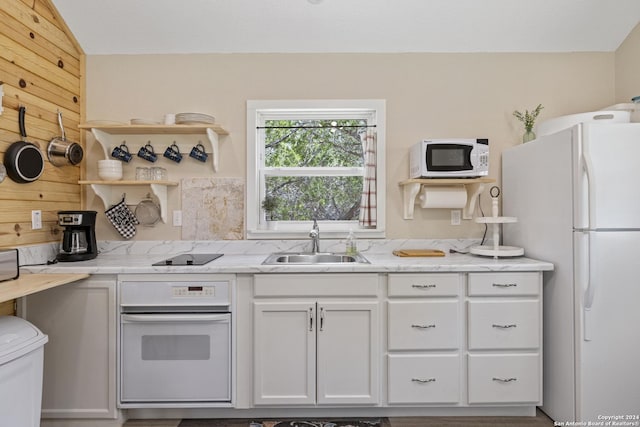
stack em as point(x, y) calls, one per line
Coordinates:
point(313, 168)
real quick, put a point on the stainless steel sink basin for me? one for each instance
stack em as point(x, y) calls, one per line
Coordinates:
point(299, 258)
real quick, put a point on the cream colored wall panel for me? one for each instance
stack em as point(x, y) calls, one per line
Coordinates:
point(427, 95)
point(628, 67)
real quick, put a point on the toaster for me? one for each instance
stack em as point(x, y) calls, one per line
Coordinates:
point(9, 268)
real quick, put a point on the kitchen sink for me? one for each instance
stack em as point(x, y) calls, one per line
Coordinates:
point(298, 258)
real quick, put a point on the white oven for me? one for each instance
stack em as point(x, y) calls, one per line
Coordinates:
point(175, 340)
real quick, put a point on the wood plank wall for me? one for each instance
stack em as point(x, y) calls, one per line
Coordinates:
point(41, 68)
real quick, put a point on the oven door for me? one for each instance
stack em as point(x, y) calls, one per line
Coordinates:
point(175, 357)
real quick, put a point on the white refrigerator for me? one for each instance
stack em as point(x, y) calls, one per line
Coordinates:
point(576, 194)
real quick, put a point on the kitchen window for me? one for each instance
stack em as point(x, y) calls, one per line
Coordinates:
point(308, 156)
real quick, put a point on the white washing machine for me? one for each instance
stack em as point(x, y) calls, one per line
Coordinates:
point(21, 363)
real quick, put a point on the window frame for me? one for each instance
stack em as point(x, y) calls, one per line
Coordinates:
point(258, 111)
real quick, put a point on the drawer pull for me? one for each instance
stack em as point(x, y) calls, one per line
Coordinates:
point(433, 325)
point(423, 286)
point(505, 285)
point(512, 325)
point(505, 380)
point(423, 381)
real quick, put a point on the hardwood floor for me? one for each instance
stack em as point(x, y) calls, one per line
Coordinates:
point(540, 420)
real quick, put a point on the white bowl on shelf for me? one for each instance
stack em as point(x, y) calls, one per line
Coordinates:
point(109, 175)
point(110, 164)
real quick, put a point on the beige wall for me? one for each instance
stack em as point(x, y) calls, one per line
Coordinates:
point(628, 67)
point(427, 95)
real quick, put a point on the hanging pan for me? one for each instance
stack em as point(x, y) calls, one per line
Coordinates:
point(62, 152)
point(23, 160)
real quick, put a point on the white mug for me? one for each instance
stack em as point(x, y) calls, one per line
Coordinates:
point(169, 119)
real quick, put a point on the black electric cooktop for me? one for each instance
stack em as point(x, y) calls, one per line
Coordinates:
point(189, 259)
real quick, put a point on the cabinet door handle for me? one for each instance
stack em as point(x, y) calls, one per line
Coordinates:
point(505, 285)
point(505, 380)
point(433, 325)
point(310, 319)
point(511, 325)
point(321, 318)
point(423, 286)
point(423, 381)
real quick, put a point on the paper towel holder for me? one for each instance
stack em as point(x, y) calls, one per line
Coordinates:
point(473, 186)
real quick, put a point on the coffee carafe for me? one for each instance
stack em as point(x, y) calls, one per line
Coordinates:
point(78, 236)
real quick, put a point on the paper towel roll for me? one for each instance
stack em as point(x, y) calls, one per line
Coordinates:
point(443, 197)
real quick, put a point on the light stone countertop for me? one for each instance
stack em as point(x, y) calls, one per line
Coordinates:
point(247, 257)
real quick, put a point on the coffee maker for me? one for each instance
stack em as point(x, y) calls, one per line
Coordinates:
point(79, 235)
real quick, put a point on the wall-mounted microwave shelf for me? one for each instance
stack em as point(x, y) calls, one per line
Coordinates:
point(412, 187)
point(105, 135)
point(104, 190)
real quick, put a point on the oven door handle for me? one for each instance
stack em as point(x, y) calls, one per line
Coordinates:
point(160, 318)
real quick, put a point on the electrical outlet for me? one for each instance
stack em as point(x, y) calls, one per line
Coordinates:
point(177, 218)
point(456, 215)
point(36, 220)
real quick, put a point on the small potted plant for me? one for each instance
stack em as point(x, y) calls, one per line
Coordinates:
point(269, 205)
point(528, 119)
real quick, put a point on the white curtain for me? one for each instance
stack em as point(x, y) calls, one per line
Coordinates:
point(368, 202)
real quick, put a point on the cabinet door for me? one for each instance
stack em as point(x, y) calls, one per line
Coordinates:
point(284, 343)
point(80, 357)
point(348, 355)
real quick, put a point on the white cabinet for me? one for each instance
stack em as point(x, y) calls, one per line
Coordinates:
point(80, 357)
point(423, 325)
point(424, 378)
point(451, 344)
point(285, 353)
point(312, 347)
point(504, 339)
point(424, 338)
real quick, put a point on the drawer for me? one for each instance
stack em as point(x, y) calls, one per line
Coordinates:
point(504, 379)
point(304, 285)
point(424, 379)
point(424, 285)
point(504, 284)
point(430, 325)
point(503, 325)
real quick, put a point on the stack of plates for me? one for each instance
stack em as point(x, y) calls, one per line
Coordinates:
point(194, 118)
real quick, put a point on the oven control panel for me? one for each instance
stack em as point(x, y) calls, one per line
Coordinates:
point(184, 291)
point(193, 291)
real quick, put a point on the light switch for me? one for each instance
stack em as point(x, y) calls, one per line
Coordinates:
point(177, 218)
point(456, 215)
point(36, 220)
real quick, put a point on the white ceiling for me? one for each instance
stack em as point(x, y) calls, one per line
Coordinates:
point(212, 26)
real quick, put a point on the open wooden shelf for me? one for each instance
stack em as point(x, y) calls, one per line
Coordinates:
point(104, 134)
point(411, 188)
point(104, 190)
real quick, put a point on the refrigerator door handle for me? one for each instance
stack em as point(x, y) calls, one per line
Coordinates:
point(587, 167)
point(589, 293)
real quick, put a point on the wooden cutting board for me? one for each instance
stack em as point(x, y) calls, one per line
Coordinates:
point(418, 252)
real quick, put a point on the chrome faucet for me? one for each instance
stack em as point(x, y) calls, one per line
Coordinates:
point(315, 237)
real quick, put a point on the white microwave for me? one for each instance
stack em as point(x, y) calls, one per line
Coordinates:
point(449, 158)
